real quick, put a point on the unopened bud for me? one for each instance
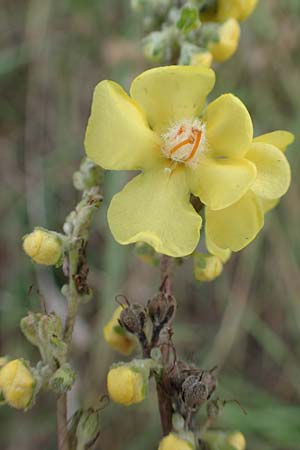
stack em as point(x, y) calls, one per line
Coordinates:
point(175, 442)
point(88, 175)
point(207, 267)
point(157, 46)
point(63, 379)
point(29, 327)
point(88, 429)
point(128, 383)
point(17, 384)
point(44, 247)
point(237, 440)
point(229, 36)
point(219, 440)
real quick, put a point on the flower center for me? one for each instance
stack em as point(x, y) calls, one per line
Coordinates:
point(184, 141)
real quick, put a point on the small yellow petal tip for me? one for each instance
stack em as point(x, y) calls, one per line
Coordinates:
point(229, 37)
point(43, 246)
point(237, 440)
point(17, 384)
point(117, 337)
point(174, 442)
point(207, 267)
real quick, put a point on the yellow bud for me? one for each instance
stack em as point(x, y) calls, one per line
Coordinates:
point(16, 383)
point(174, 442)
point(116, 336)
point(237, 9)
point(207, 267)
point(125, 385)
point(202, 59)
point(43, 247)
point(237, 440)
point(229, 36)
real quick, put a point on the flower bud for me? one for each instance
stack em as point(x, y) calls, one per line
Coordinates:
point(88, 175)
point(17, 384)
point(237, 440)
point(237, 9)
point(220, 440)
point(43, 246)
point(174, 442)
point(203, 58)
point(207, 267)
point(88, 429)
point(194, 55)
point(63, 379)
point(29, 327)
point(116, 336)
point(229, 36)
point(157, 46)
point(128, 383)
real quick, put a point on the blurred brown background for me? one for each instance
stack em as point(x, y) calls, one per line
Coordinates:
point(52, 54)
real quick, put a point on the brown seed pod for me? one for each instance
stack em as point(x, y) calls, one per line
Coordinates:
point(133, 318)
point(161, 308)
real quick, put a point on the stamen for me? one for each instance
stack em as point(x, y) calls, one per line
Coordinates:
point(195, 146)
point(181, 144)
point(184, 142)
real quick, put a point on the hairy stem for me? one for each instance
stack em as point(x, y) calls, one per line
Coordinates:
point(62, 424)
point(164, 401)
point(73, 294)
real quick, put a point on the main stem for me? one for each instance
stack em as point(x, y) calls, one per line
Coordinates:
point(62, 424)
point(61, 408)
point(164, 401)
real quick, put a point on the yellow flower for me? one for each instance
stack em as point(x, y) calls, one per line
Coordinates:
point(163, 131)
point(229, 36)
point(237, 9)
point(16, 383)
point(237, 440)
point(116, 336)
point(236, 226)
point(174, 442)
point(202, 58)
point(43, 246)
point(207, 267)
point(126, 385)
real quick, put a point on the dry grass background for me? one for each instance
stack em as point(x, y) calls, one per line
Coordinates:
point(52, 54)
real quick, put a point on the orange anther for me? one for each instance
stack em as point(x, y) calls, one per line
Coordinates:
point(181, 144)
point(195, 146)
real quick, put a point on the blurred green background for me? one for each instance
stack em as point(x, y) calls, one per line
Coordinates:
point(247, 322)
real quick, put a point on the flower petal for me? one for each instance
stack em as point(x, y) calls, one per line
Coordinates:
point(118, 136)
point(221, 182)
point(223, 254)
point(229, 128)
point(280, 139)
point(171, 93)
point(273, 170)
point(268, 205)
point(235, 227)
point(154, 208)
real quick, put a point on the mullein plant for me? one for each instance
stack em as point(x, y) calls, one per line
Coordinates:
point(202, 176)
